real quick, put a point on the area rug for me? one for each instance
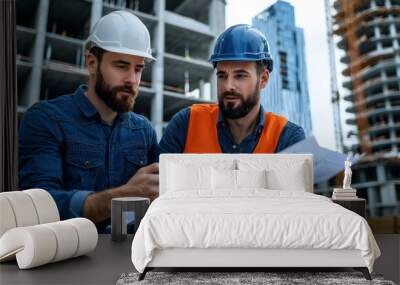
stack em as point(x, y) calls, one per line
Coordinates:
point(229, 278)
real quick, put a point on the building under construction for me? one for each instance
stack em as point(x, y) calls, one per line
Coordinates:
point(51, 55)
point(369, 32)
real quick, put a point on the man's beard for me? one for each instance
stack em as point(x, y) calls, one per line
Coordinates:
point(245, 106)
point(110, 95)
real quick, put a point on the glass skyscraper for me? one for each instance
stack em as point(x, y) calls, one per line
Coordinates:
point(287, 90)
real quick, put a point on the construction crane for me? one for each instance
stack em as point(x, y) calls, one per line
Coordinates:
point(335, 96)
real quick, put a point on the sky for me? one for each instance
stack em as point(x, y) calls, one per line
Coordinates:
point(310, 15)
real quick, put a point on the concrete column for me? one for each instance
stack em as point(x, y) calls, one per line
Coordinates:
point(363, 177)
point(392, 28)
point(377, 32)
point(32, 91)
point(201, 89)
point(388, 194)
point(371, 202)
point(157, 77)
point(390, 118)
point(96, 12)
point(216, 19)
point(397, 61)
point(396, 152)
point(393, 136)
point(380, 172)
point(216, 16)
point(213, 88)
point(383, 75)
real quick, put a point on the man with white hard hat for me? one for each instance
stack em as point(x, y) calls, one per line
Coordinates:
point(88, 147)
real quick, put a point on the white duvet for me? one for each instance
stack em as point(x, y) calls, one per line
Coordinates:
point(252, 218)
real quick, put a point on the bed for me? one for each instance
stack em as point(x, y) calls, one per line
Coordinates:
point(247, 211)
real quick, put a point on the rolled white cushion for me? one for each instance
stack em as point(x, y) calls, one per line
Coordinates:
point(46, 208)
point(33, 246)
point(87, 235)
point(7, 218)
point(66, 238)
point(23, 208)
point(40, 244)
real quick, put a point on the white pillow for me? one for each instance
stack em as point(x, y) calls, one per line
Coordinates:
point(226, 179)
point(223, 179)
point(222, 164)
point(293, 180)
point(282, 174)
point(251, 178)
point(183, 177)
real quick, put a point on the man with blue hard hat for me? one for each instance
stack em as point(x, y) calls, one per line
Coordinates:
point(238, 123)
point(88, 147)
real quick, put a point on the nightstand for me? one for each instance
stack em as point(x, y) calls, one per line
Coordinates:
point(358, 205)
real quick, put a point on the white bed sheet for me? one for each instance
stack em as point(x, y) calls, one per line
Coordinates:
point(252, 218)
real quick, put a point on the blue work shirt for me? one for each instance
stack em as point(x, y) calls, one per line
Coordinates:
point(174, 138)
point(66, 148)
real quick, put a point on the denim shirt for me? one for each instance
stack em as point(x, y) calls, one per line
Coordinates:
point(65, 148)
point(174, 138)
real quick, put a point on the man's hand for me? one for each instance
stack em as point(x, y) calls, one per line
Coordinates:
point(145, 182)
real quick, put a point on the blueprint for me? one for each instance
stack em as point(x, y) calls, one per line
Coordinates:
point(327, 163)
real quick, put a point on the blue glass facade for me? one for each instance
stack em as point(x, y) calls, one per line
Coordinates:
point(287, 89)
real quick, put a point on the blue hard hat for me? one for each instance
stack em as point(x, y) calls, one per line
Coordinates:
point(242, 43)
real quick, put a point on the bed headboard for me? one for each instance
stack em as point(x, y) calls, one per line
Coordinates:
point(286, 163)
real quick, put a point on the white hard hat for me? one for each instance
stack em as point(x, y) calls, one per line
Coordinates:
point(122, 32)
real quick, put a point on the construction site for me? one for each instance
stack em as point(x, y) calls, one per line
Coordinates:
point(51, 55)
point(368, 32)
point(51, 62)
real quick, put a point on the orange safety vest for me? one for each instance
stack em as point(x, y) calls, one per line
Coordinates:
point(202, 134)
